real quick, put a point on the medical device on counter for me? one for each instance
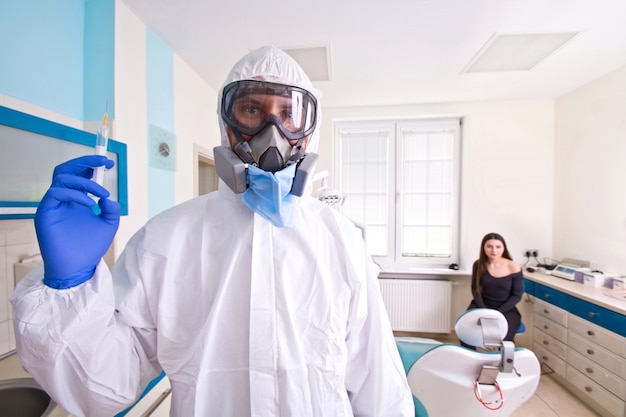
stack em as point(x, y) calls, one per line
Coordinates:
point(568, 267)
point(565, 272)
point(592, 279)
point(102, 137)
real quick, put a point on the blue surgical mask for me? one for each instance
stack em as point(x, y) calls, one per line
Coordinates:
point(269, 194)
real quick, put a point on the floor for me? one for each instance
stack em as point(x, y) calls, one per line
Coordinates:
point(552, 400)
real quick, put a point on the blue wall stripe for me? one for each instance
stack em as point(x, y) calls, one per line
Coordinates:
point(42, 53)
point(30, 123)
point(99, 61)
point(160, 110)
point(160, 80)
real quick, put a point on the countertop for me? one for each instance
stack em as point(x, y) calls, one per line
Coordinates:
point(422, 273)
point(604, 297)
point(10, 368)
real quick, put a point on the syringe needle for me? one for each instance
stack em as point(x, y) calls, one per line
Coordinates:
point(102, 138)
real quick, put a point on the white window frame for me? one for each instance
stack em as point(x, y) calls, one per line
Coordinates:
point(395, 196)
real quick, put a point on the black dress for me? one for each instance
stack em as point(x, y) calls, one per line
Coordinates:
point(501, 294)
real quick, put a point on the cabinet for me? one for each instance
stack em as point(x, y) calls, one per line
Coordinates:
point(550, 336)
point(584, 345)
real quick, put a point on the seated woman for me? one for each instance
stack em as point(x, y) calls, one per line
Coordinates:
point(497, 282)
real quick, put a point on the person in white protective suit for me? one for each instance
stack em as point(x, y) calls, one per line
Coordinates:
point(254, 301)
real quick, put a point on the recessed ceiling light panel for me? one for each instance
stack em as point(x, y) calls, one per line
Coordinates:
point(314, 61)
point(516, 52)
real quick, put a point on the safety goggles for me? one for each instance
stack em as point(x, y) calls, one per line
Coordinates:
point(249, 106)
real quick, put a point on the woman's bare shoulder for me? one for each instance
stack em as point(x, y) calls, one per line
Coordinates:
point(513, 267)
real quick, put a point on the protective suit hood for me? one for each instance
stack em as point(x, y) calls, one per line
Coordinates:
point(271, 64)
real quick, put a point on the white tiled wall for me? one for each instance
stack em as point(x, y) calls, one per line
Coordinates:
point(17, 237)
point(17, 241)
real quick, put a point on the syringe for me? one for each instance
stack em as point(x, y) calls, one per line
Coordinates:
point(102, 138)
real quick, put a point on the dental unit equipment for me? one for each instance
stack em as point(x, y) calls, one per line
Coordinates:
point(451, 380)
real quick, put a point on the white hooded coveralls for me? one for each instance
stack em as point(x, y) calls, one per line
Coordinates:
point(246, 319)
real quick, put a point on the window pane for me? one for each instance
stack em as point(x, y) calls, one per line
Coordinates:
point(439, 176)
point(419, 160)
point(377, 240)
point(353, 178)
point(427, 186)
point(354, 207)
point(368, 209)
point(414, 241)
point(364, 183)
point(415, 176)
point(419, 241)
point(440, 146)
point(376, 210)
point(439, 243)
point(415, 209)
point(375, 178)
point(439, 211)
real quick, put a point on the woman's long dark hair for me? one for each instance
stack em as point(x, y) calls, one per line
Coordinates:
point(481, 265)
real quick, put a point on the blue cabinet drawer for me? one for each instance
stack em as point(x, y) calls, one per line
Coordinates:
point(551, 295)
point(601, 316)
point(529, 286)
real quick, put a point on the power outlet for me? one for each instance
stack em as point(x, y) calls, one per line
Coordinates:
point(531, 253)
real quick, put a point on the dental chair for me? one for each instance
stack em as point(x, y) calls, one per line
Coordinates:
point(450, 380)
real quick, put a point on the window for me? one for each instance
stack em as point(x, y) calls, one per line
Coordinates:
point(401, 179)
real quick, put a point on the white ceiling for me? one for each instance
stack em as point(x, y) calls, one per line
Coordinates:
point(397, 51)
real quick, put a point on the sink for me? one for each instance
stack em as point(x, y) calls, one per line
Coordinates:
point(23, 397)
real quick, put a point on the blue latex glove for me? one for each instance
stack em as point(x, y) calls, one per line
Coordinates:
point(72, 237)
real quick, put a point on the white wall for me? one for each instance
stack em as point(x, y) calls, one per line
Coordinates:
point(195, 119)
point(590, 173)
point(17, 242)
point(507, 168)
point(130, 124)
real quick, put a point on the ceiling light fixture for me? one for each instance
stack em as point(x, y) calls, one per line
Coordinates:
point(516, 52)
point(315, 61)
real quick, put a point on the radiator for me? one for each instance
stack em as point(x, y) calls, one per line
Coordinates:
point(417, 305)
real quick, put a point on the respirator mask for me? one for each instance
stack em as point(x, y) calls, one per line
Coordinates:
point(270, 123)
